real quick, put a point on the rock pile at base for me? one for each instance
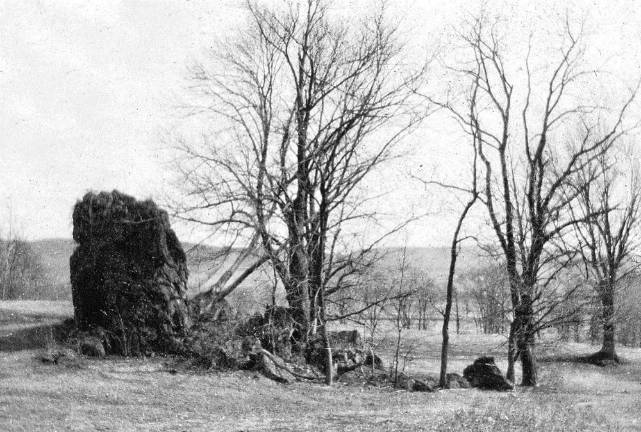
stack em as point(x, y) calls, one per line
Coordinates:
point(456, 381)
point(348, 352)
point(128, 275)
point(484, 373)
point(413, 384)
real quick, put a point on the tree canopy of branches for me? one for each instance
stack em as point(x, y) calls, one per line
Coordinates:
point(305, 105)
point(489, 290)
point(530, 163)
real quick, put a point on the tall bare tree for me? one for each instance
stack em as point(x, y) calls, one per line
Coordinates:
point(530, 165)
point(609, 205)
point(306, 106)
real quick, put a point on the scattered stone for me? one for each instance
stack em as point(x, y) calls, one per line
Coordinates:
point(422, 386)
point(276, 330)
point(484, 374)
point(92, 347)
point(345, 358)
point(128, 274)
point(456, 381)
point(372, 358)
point(58, 356)
point(412, 384)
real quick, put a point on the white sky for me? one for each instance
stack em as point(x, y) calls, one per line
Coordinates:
point(88, 87)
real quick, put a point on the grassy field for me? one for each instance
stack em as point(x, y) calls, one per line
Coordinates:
point(142, 395)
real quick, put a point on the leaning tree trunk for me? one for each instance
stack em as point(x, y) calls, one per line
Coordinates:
point(450, 285)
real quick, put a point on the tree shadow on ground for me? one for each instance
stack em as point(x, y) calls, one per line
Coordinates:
point(31, 337)
point(596, 359)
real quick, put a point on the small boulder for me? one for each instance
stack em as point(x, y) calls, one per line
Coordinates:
point(422, 386)
point(484, 374)
point(372, 358)
point(92, 347)
point(456, 381)
point(412, 384)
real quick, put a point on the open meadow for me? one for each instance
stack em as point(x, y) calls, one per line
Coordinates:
point(320, 215)
point(117, 394)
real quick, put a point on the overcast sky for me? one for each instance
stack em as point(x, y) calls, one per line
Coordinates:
point(89, 86)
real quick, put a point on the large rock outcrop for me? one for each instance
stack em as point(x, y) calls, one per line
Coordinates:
point(128, 275)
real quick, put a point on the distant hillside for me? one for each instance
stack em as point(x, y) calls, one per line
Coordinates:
point(433, 260)
point(55, 253)
point(205, 264)
point(54, 256)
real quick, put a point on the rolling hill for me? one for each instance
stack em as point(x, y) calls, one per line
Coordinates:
point(205, 263)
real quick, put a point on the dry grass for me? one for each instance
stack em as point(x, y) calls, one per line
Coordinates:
point(140, 395)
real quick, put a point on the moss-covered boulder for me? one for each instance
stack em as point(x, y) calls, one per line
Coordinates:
point(128, 275)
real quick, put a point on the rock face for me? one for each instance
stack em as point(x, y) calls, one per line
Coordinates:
point(128, 274)
point(484, 373)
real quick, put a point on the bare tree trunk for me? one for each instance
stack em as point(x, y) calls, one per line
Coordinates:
point(399, 329)
point(512, 352)
point(458, 317)
point(528, 363)
point(525, 341)
point(329, 362)
point(450, 281)
point(607, 300)
point(297, 292)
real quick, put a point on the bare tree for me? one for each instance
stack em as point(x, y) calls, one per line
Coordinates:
point(228, 280)
point(454, 251)
point(425, 298)
point(21, 272)
point(488, 287)
point(401, 304)
point(529, 167)
point(306, 106)
point(609, 204)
